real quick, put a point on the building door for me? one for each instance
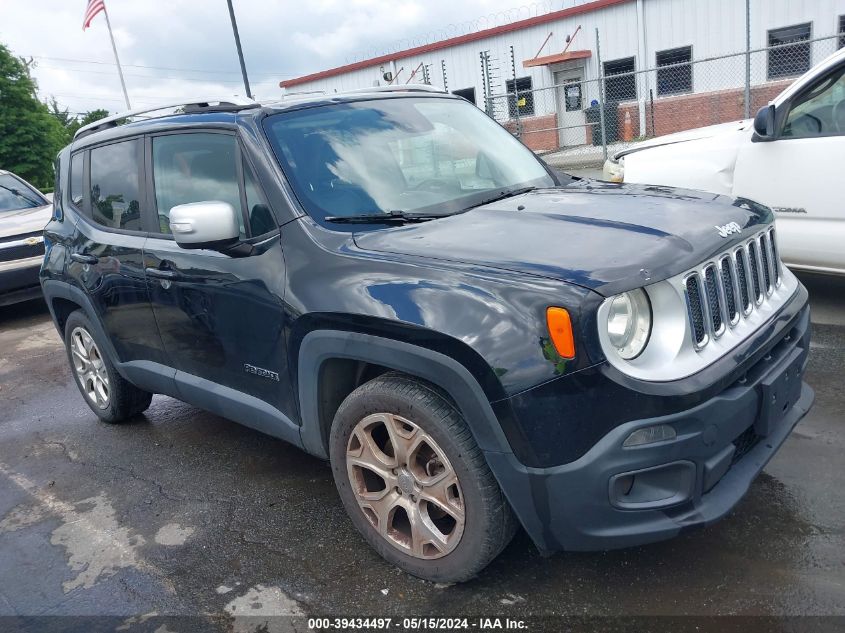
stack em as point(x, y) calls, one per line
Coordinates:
point(570, 107)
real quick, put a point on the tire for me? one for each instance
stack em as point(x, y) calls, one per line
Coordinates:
point(473, 519)
point(106, 392)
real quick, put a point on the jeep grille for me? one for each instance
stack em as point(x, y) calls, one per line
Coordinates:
point(719, 294)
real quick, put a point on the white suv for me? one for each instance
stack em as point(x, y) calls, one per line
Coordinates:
point(791, 157)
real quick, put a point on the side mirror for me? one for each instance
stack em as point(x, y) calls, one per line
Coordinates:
point(764, 123)
point(208, 224)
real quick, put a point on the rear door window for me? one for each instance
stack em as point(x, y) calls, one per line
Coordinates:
point(115, 185)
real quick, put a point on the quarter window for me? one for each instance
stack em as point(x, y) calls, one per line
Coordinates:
point(194, 168)
point(789, 51)
point(624, 87)
point(520, 96)
point(115, 185)
point(674, 71)
point(76, 183)
point(260, 217)
point(466, 93)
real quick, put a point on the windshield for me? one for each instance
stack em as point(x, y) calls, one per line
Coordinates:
point(15, 195)
point(409, 155)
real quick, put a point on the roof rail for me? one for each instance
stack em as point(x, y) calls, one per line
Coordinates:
point(399, 88)
point(195, 105)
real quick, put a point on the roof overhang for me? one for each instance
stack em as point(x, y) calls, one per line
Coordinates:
point(557, 58)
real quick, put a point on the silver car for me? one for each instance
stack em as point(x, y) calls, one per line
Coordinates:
point(24, 211)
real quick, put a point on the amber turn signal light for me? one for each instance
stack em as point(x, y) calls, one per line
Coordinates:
point(560, 329)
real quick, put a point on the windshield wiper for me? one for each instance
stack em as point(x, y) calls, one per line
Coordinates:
point(502, 196)
point(393, 217)
point(17, 193)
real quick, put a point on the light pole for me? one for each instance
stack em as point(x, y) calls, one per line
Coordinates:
point(240, 51)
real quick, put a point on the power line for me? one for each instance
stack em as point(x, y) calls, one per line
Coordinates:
point(191, 70)
point(104, 72)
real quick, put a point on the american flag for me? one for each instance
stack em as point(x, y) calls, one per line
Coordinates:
point(94, 7)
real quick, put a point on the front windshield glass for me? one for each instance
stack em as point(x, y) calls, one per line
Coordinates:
point(15, 195)
point(410, 155)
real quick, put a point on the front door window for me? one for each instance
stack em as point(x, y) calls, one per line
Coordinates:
point(820, 111)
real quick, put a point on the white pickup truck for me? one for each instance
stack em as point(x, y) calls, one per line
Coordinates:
point(791, 157)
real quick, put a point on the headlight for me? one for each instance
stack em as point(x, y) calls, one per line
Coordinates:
point(629, 323)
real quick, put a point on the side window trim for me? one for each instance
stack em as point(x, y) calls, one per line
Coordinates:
point(239, 174)
point(151, 210)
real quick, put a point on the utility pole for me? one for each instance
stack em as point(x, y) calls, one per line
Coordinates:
point(240, 51)
point(747, 59)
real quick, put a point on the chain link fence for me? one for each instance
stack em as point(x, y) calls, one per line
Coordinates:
point(578, 121)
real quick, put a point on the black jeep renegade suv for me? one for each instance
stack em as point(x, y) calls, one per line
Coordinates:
point(391, 281)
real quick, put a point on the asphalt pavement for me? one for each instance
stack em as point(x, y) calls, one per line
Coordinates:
point(183, 513)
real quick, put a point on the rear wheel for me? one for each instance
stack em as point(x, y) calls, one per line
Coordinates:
point(109, 395)
point(414, 482)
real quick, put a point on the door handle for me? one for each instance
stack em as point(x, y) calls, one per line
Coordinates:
point(84, 258)
point(159, 273)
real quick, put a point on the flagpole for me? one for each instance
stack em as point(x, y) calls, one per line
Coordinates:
point(117, 59)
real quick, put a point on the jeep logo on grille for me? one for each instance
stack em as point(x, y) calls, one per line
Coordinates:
point(729, 229)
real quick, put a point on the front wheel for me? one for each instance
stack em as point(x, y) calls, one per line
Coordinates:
point(415, 483)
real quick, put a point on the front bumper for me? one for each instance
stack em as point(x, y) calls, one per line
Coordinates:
point(19, 279)
point(721, 445)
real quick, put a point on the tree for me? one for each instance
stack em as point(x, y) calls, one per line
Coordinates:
point(30, 137)
point(72, 123)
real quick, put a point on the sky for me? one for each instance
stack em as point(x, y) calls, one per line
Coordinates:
point(175, 49)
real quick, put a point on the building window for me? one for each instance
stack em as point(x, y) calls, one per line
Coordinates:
point(842, 31)
point(624, 87)
point(674, 71)
point(524, 100)
point(789, 52)
point(466, 93)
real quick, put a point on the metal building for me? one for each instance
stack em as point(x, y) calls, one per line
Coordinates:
point(659, 66)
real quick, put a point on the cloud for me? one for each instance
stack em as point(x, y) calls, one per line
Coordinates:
point(184, 48)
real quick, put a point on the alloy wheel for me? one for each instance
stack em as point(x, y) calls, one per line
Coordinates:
point(90, 367)
point(405, 486)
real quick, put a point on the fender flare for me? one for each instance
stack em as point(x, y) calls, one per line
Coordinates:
point(54, 289)
point(445, 372)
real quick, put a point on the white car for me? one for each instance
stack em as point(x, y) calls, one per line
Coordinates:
point(790, 157)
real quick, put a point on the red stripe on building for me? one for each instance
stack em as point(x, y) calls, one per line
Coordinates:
point(455, 41)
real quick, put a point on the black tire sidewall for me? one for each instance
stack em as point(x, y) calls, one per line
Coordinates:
point(464, 560)
point(110, 413)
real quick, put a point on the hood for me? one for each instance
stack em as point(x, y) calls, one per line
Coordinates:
point(602, 236)
point(23, 221)
point(688, 135)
